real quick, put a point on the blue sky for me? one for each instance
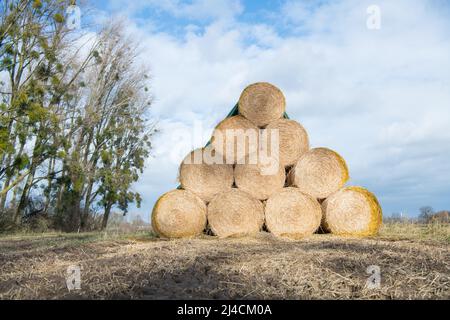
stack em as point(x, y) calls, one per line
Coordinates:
point(379, 97)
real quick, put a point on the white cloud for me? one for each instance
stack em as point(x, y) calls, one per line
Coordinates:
point(379, 97)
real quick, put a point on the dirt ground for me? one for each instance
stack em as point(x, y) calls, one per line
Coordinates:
point(260, 267)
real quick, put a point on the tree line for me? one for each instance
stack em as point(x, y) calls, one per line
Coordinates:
point(427, 215)
point(74, 119)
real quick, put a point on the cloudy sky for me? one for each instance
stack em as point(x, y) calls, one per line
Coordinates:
point(378, 96)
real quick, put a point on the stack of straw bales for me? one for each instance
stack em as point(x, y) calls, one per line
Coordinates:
point(239, 184)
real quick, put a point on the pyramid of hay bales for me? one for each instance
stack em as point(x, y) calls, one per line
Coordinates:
point(230, 188)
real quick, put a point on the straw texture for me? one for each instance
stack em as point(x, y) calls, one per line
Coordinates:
point(262, 103)
point(203, 179)
point(291, 213)
point(179, 213)
point(352, 211)
point(259, 183)
point(319, 173)
point(235, 138)
point(235, 213)
point(293, 140)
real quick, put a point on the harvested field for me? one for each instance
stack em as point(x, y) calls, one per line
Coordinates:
point(415, 265)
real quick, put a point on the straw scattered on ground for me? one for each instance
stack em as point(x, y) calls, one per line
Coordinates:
point(414, 262)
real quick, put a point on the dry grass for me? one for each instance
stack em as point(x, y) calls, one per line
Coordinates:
point(414, 262)
point(433, 232)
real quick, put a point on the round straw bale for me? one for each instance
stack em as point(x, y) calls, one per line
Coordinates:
point(178, 214)
point(258, 180)
point(204, 178)
point(352, 211)
point(235, 212)
point(234, 138)
point(291, 213)
point(262, 103)
point(293, 140)
point(319, 173)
